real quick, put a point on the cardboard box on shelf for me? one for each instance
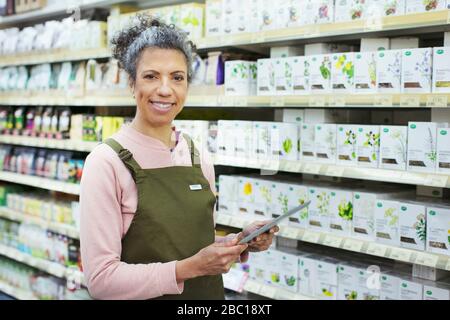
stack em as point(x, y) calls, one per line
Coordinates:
point(402, 43)
point(261, 147)
point(283, 76)
point(284, 141)
point(341, 211)
point(365, 72)
point(325, 143)
point(412, 225)
point(346, 145)
point(263, 199)
point(298, 195)
point(327, 279)
point(266, 77)
point(389, 71)
point(441, 70)
point(387, 222)
point(368, 146)
point(443, 150)
point(390, 285)
point(393, 147)
point(343, 72)
point(416, 6)
point(243, 131)
point(436, 291)
point(228, 194)
point(238, 78)
point(320, 73)
point(300, 76)
point(213, 18)
point(246, 196)
point(375, 44)
point(307, 142)
point(417, 70)
point(319, 209)
point(349, 10)
point(438, 229)
point(293, 115)
point(286, 52)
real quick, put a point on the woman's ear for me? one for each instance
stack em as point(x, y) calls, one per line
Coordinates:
point(131, 86)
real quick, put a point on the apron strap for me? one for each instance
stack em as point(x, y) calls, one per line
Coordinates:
point(195, 155)
point(126, 156)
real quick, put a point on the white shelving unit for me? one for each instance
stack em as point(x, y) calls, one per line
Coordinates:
point(42, 183)
point(74, 145)
point(64, 229)
point(15, 292)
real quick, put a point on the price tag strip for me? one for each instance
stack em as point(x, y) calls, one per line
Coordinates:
point(427, 259)
point(408, 101)
point(439, 181)
point(334, 171)
point(353, 245)
point(309, 236)
point(400, 254)
point(377, 249)
point(332, 241)
point(437, 101)
point(312, 168)
point(317, 101)
point(382, 101)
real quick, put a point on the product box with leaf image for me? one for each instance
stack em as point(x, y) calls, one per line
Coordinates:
point(325, 143)
point(261, 141)
point(272, 259)
point(417, 70)
point(228, 194)
point(246, 196)
point(284, 141)
point(343, 72)
point(349, 10)
point(443, 150)
point(422, 146)
point(368, 146)
point(213, 18)
point(243, 131)
point(365, 72)
point(327, 278)
point(318, 213)
point(298, 195)
point(300, 75)
point(393, 147)
point(226, 142)
point(319, 73)
point(389, 71)
point(412, 224)
point(410, 289)
point(438, 229)
point(283, 76)
point(389, 286)
point(280, 201)
point(266, 77)
point(318, 11)
point(238, 78)
point(416, 6)
point(192, 19)
point(341, 212)
point(385, 7)
point(263, 199)
point(387, 222)
point(436, 291)
point(289, 268)
point(346, 145)
point(441, 70)
point(307, 274)
point(267, 16)
point(257, 267)
point(307, 144)
point(352, 283)
point(293, 116)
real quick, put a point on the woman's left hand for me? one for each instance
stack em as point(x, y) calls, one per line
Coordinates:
point(261, 242)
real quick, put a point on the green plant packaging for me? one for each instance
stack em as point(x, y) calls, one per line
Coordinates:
point(263, 199)
point(307, 277)
point(443, 150)
point(319, 209)
point(341, 212)
point(289, 268)
point(387, 222)
point(272, 263)
point(298, 195)
point(343, 72)
point(346, 145)
point(280, 202)
point(368, 146)
point(438, 229)
point(393, 147)
point(412, 225)
point(284, 141)
point(307, 139)
point(325, 143)
point(320, 73)
point(365, 72)
point(327, 279)
point(266, 77)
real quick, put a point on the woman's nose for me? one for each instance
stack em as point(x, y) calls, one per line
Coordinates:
point(164, 88)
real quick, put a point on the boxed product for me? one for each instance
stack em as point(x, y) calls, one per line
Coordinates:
point(243, 131)
point(374, 44)
point(393, 147)
point(307, 145)
point(192, 19)
point(410, 289)
point(443, 150)
point(266, 77)
point(267, 16)
point(447, 38)
point(348, 286)
point(416, 70)
point(437, 291)
point(298, 195)
point(261, 140)
point(280, 202)
point(318, 11)
point(272, 260)
point(346, 145)
point(422, 146)
point(238, 78)
point(228, 194)
point(365, 72)
point(317, 48)
point(387, 222)
point(263, 199)
point(307, 275)
point(390, 285)
point(289, 268)
point(368, 146)
point(415, 6)
point(319, 71)
point(349, 10)
point(325, 143)
point(293, 116)
point(327, 279)
point(438, 229)
point(284, 141)
point(343, 72)
point(257, 266)
point(341, 212)
point(225, 138)
point(392, 7)
point(300, 75)
point(389, 71)
point(283, 76)
point(428, 273)
point(286, 51)
point(319, 209)
point(412, 225)
point(246, 196)
point(402, 43)
point(441, 69)
point(213, 18)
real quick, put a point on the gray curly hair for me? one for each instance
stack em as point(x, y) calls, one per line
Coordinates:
point(149, 32)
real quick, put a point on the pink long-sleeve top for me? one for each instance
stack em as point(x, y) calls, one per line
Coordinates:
point(108, 202)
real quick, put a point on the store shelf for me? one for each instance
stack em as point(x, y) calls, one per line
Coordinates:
point(19, 294)
point(73, 145)
point(52, 268)
point(43, 183)
point(394, 176)
point(429, 100)
point(53, 56)
point(387, 25)
point(347, 243)
point(272, 292)
point(64, 229)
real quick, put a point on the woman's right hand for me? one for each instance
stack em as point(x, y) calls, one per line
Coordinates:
point(214, 259)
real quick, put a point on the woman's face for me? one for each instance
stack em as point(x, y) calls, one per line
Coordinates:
point(161, 86)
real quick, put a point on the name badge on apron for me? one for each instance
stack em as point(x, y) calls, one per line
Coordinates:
point(195, 187)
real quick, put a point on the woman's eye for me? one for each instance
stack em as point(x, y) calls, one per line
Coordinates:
point(149, 76)
point(179, 78)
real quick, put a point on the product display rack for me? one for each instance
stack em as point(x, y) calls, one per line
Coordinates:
point(400, 100)
point(52, 268)
point(272, 292)
point(73, 145)
point(15, 292)
point(42, 183)
point(348, 243)
point(63, 229)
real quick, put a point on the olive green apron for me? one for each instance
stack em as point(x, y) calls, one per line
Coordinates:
point(173, 221)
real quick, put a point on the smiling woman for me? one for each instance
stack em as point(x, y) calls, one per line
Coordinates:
point(147, 194)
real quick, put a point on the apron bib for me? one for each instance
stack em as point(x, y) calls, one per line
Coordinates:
point(173, 221)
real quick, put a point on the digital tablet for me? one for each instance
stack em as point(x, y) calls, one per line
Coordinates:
point(273, 223)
